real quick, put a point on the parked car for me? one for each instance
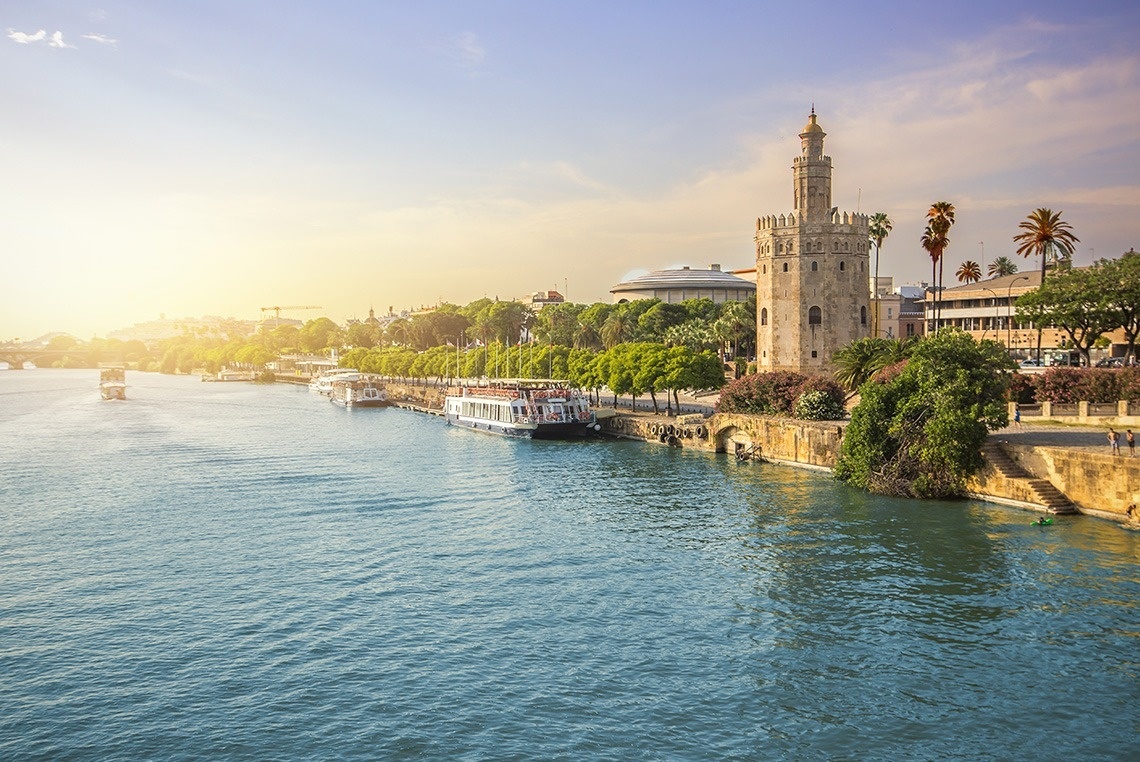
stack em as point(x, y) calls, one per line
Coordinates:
point(1110, 362)
point(1031, 363)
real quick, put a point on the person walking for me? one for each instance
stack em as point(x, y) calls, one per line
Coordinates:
point(1114, 441)
point(1131, 440)
point(1017, 416)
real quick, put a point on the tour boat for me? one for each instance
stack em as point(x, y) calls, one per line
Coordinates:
point(112, 383)
point(356, 392)
point(529, 408)
point(323, 383)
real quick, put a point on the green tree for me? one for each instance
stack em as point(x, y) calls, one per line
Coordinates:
point(1044, 234)
point(919, 432)
point(935, 239)
point(365, 335)
point(1074, 301)
point(1119, 282)
point(969, 272)
point(1001, 266)
point(878, 229)
point(320, 334)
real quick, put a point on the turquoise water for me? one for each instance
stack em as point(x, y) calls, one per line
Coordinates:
point(224, 571)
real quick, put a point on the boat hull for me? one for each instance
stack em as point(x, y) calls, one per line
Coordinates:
point(572, 430)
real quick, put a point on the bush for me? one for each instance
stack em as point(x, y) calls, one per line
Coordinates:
point(920, 432)
point(817, 405)
point(1068, 385)
point(777, 392)
point(1022, 388)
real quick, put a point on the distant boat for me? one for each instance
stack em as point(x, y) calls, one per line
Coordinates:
point(529, 408)
point(113, 383)
point(358, 393)
point(230, 375)
point(322, 384)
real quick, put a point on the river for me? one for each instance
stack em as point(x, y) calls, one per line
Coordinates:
point(239, 572)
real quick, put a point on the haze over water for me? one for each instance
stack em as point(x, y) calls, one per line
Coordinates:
point(224, 571)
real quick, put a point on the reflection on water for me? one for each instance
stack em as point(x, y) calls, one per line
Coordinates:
point(241, 572)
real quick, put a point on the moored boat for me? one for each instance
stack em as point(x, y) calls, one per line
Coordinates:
point(323, 383)
point(358, 393)
point(113, 383)
point(529, 408)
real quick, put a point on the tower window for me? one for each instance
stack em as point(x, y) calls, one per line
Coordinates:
point(815, 316)
point(842, 265)
point(862, 316)
point(765, 269)
point(764, 316)
point(814, 266)
point(785, 267)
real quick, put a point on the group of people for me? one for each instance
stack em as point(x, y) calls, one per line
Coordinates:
point(1114, 442)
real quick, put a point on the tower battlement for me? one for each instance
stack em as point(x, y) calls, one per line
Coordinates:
point(792, 220)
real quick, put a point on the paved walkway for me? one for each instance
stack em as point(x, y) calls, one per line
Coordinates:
point(1094, 438)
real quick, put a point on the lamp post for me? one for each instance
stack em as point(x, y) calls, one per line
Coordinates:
point(995, 315)
point(1009, 309)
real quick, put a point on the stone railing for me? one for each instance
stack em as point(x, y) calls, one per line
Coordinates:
point(1123, 412)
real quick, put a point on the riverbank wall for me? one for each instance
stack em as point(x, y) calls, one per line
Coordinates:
point(1094, 483)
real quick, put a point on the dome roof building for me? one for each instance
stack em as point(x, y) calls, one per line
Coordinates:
point(680, 284)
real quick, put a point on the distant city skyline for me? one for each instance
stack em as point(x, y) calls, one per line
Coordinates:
point(218, 157)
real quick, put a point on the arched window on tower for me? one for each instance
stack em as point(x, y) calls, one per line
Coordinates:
point(835, 245)
point(785, 267)
point(815, 316)
point(862, 316)
point(842, 265)
point(814, 266)
point(764, 316)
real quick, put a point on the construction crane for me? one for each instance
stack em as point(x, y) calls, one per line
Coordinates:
point(277, 310)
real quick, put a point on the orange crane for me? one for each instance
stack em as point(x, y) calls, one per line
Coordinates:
point(277, 310)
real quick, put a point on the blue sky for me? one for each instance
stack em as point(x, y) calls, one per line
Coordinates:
point(215, 157)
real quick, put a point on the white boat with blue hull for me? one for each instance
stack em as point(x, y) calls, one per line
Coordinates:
point(528, 408)
point(323, 383)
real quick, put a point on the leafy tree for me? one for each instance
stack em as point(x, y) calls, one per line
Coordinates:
point(878, 229)
point(558, 323)
point(319, 334)
point(919, 432)
point(366, 335)
point(1118, 280)
point(1073, 301)
point(1001, 266)
point(969, 272)
point(659, 318)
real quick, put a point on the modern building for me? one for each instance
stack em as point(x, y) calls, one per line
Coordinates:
point(812, 270)
point(681, 284)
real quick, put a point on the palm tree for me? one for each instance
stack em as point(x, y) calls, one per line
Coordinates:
point(1000, 267)
point(1043, 231)
point(878, 230)
point(935, 240)
point(969, 272)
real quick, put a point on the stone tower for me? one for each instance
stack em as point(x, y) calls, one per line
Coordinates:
point(812, 269)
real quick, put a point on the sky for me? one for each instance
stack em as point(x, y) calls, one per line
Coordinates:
point(217, 157)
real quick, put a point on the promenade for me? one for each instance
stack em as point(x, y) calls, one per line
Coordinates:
point(1072, 437)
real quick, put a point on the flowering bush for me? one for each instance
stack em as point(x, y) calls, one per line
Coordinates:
point(818, 405)
point(776, 393)
point(1068, 385)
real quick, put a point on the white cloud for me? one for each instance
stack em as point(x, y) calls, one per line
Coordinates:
point(24, 38)
point(57, 41)
point(101, 39)
point(471, 53)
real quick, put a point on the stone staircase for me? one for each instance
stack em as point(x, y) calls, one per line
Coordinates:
point(1041, 491)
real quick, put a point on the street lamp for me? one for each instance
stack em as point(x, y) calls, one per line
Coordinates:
point(1009, 308)
point(995, 315)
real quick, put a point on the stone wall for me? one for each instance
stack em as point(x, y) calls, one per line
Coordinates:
point(1097, 483)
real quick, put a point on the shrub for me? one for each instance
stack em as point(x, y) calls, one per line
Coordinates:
point(818, 405)
point(777, 392)
point(1022, 388)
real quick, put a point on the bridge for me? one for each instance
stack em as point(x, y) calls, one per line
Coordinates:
point(17, 354)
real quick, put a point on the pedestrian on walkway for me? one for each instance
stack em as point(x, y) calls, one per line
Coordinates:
point(1114, 441)
point(1131, 440)
point(1017, 416)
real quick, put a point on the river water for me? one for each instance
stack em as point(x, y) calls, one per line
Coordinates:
point(229, 571)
